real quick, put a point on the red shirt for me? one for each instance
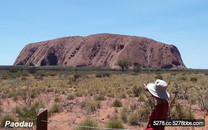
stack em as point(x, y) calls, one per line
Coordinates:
point(159, 113)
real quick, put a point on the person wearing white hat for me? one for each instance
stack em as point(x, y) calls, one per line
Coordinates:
point(158, 91)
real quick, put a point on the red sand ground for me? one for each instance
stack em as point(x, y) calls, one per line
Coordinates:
point(74, 114)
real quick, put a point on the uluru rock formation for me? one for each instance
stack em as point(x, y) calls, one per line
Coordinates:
point(103, 50)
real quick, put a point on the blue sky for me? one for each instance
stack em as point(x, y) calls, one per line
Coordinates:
point(183, 23)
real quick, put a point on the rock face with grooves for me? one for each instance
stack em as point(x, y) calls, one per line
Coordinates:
point(103, 50)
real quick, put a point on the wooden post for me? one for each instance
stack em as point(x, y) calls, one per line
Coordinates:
point(42, 119)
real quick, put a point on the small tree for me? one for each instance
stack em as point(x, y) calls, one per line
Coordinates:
point(137, 68)
point(123, 64)
point(32, 70)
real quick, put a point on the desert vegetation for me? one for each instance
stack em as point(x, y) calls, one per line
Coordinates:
point(110, 99)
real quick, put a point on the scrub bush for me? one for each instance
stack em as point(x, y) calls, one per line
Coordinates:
point(115, 124)
point(88, 122)
point(117, 103)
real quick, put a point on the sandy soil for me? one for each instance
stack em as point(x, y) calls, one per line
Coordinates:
point(73, 114)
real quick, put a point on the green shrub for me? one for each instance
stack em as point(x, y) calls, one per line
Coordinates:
point(34, 93)
point(123, 95)
point(192, 101)
point(174, 73)
point(137, 115)
point(123, 64)
point(79, 94)
point(76, 76)
point(90, 106)
point(4, 77)
point(183, 78)
point(117, 103)
point(100, 97)
point(56, 99)
point(10, 76)
point(193, 79)
point(159, 77)
point(28, 111)
point(150, 103)
point(70, 97)
point(142, 98)
point(100, 75)
point(124, 115)
point(137, 68)
point(23, 78)
point(5, 118)
point(32, 70)
point(110, 94)
point(179, 112)
point(15, 98)
point(106, 74)
point(56, 108)
point(136, 91)
point(184, 73)
point(115, 124)
point(89, 123)
point(144, 113)
point(11, 94)
point(38, 77)
point(41, 74)
point(205, 105)
point(134, 118)
point(52, 74)
point(133, 107)
point(24, 74)
point(158, 73)
point(13, 70)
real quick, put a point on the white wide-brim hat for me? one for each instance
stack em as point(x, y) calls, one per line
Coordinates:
point(158, 89)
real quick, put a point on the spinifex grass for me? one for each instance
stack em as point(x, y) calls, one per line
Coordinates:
point(69, 87)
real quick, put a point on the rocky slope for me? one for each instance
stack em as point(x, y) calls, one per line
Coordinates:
point(103, 50)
